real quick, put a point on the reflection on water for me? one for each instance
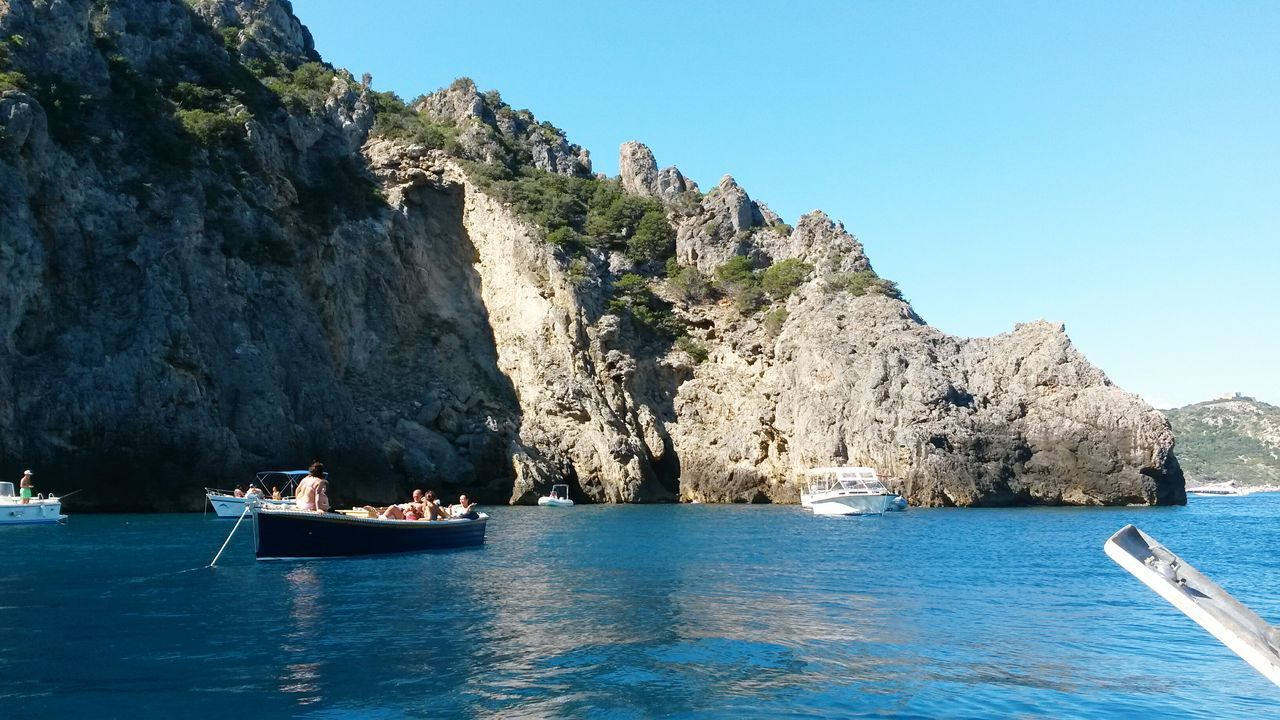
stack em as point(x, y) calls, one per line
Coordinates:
point(299, 677)
point(641, 612)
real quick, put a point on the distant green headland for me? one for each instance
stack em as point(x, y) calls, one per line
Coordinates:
point(1230, 438)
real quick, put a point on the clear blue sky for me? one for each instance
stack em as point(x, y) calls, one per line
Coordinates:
point(1113, 166)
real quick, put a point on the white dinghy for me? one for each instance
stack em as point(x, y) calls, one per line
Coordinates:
point(846, 491)
point(559, 497)
point(1199, 598)
point(39, 510)
point(227, 505)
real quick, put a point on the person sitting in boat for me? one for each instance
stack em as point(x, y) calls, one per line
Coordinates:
point(253, 491)
point(464, 509)
point(431, 509)
point(27, 486)
point(418, 503)
point(412, 510)
point(313, 491)
point(238, 492)
point(275, 493)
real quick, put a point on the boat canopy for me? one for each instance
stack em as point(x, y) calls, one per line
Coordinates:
point(289, 478)
point(850, 479)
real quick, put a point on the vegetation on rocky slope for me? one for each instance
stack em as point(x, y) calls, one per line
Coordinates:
point(1231, 439)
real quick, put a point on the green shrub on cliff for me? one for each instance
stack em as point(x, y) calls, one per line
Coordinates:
point(230, 39)
point(632, 298)
point(695, 349)
point(738, 280)
point(654, 238)
point(862, 282)
point(736, 272)
point(12, 80)
point(781, 279)
point(588, 211)
point(565, 237)
point(614, 214)
point(774, 320)
point(687, 282)
point(396, 120)
point(212, 128)
point(303, 90)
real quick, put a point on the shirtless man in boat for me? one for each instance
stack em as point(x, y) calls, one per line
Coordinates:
point(27, 485)
point(428, 509)
point(313, 491)
point(412, 510)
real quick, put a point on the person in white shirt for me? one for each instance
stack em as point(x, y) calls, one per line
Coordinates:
point(464, 509)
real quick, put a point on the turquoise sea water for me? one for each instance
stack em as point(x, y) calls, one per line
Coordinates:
point(629, 612)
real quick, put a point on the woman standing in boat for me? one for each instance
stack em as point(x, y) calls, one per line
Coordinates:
point(313, 491)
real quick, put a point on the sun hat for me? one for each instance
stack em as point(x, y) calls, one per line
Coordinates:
point(28, 472)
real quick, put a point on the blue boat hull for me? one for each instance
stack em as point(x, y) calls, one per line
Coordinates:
point(295, 535)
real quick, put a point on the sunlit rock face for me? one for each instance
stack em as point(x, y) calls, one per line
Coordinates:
point(235, 271)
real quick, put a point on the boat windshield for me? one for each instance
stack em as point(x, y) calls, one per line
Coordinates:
point(6, 489)
point(854, 480)
point(560, 491)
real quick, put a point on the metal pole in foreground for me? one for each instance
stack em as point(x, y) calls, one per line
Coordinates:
point(247, 505)
point(1199, 598)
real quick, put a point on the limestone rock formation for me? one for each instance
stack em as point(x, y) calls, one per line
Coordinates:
point(489, 126)
point(217, 260)
point(640, 175)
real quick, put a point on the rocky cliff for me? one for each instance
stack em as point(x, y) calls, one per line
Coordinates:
point(222, 254)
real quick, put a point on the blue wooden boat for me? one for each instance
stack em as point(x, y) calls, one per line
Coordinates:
point(297, 534)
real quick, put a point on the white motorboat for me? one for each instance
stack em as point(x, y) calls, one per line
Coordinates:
point(227, 505)
point(559, 497)
point(1223, 489)
point(846, 491)
point(39, 510)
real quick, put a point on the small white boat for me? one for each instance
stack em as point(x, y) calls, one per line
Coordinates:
point(1223, 489)
point(39, 510)
point(897, 502)
point(1199, 598)
point(559, 497)
point(846, 491)
point(227, 505)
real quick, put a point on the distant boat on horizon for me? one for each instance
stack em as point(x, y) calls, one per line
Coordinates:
point(1223, 489)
